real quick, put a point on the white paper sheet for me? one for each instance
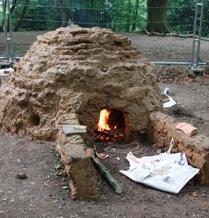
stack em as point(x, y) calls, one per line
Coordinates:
point(166, 172)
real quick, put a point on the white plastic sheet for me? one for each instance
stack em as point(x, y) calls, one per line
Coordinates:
point(170, 102)
point(6, 72)
point(166, 172)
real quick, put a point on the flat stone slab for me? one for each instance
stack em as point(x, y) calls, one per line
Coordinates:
point(74, 129)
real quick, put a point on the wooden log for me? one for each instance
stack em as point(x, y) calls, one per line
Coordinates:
point(108, 135)
point(105, 132)
point(117, 187)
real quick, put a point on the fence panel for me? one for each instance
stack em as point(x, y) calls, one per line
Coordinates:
point(204, 50)
point(141, 20)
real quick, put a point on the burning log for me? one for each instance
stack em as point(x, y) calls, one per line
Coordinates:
point(108, 135)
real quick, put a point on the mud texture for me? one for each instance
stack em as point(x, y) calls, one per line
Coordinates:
point(196, 147)
point(67, 77)
point(77, 71)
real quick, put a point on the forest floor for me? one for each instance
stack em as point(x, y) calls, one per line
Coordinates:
point(44, 193)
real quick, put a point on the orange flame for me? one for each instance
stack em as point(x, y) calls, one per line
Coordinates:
point(103, 119)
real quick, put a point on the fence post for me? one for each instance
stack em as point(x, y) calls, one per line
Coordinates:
point(8, 35)
point(197, 34)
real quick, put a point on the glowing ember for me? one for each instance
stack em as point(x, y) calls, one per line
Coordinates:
point(103, 120)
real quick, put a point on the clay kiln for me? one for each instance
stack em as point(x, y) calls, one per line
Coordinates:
point(67, 77)
point(78, 71)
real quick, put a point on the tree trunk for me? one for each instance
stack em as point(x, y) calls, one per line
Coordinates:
point(4, 15)
point(14, 2)
point(135, 17)
point(128, 21)
point(63, 16)
point(24, 10)
point(156, 16)
point(5, 9)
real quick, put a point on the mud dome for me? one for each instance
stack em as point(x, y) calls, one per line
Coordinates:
point(73, 73)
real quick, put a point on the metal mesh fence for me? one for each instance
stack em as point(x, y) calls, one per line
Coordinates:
point(204, 51)
point(141, 20)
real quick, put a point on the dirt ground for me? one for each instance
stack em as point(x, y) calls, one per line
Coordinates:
point(44, 193)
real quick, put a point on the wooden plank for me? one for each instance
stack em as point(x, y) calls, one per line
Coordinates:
point(117, 187)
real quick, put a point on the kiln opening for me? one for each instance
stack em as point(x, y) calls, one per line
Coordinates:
point(111, 126)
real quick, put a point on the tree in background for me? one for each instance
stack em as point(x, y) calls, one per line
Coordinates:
point(50, 14)
point(157, 16)
point(120, 15)
point(4, 18)
point(91, 13)
point(182, 10)
point(129, 16)
point(3, 14)
point(24, 4)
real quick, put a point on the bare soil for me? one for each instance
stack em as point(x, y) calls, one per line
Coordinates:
point(44, 193)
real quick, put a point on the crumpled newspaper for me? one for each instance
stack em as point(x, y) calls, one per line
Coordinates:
point(166, 172)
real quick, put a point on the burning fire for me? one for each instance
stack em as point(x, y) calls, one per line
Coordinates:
point(103, 120)
point(107, 130)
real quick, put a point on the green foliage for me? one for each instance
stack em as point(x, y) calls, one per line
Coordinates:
point(205, 26)
point(1, 11)
point(40, 15)
point(129, 16)
point(180, 16)
point(120, 15)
